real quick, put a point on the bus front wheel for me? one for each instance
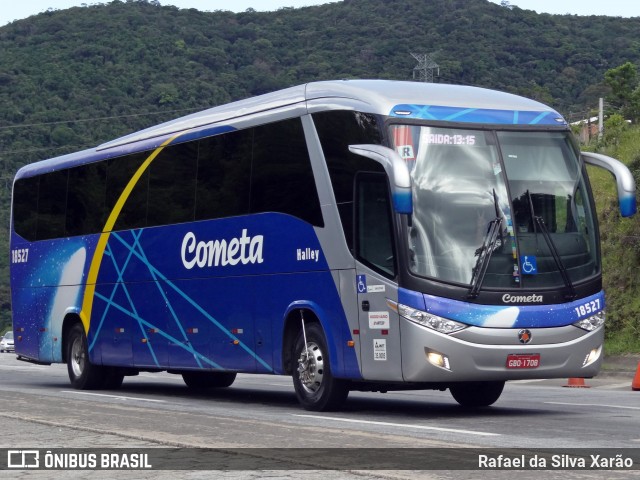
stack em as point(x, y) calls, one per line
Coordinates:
point(315, 386)
point(476, 394)
point(82, 373)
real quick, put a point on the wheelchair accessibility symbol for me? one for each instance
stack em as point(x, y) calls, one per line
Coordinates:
point(361, 283)
point(529, 265)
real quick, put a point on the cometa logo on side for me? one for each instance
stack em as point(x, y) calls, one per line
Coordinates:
point(213, 253)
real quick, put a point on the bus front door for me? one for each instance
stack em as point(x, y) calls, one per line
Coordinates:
point(375, 270)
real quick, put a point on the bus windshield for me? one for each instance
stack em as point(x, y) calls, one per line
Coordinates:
point(497, 209)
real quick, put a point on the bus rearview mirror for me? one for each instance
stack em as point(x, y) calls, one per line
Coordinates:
point(624, 180)
point(397, 171)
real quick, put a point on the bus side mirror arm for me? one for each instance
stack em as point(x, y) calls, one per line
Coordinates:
point(624, 180)
point(396, 170)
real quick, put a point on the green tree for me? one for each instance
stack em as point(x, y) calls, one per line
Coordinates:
point(613, 128)
point(623, 81)
point(72, 79)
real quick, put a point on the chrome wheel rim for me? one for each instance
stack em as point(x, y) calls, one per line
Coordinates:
point(78, 358)
point(311, 368)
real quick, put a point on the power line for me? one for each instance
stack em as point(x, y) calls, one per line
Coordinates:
point(42, 149)
point(84, 120)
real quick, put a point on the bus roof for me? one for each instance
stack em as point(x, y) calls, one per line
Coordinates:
point(401, 99)
point(374, 96)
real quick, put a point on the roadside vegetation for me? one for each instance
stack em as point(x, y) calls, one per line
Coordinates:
point(72, 79)
point(619, 237)
point(620, 243)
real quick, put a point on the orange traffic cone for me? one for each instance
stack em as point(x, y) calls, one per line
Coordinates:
point(576, 383)
point(635, 385)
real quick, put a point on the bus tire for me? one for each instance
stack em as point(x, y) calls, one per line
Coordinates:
point(476, 394)
point(316, 388)
point(201, 380)
point(82, 373)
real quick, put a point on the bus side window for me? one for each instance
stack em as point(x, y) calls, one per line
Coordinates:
point(172, 185)
point(336, 131)
point(120, 171)
point(85, 199)
point(281, 176)
point(374, 228)
point(25, 207)
point(224, 163)
point(52, 205)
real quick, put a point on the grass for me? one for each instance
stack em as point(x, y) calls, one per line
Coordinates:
point(620, 343)
point(620, 244)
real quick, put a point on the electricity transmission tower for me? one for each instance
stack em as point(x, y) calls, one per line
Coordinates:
point(425, 68)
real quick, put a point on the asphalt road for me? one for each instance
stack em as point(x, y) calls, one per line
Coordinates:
point(38, 409)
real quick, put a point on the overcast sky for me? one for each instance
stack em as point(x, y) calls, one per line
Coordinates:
point(16, 10)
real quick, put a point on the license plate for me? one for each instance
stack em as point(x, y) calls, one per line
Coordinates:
point(518, 360)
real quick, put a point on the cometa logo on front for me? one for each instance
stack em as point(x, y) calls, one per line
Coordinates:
point(506, 298)
point(213, 253)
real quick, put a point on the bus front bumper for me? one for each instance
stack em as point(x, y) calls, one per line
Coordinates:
point(479, 354)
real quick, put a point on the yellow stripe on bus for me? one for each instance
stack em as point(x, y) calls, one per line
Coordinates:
point(87, 303)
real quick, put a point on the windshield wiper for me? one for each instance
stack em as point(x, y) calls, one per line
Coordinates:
point(485, 251)
point(539, 222)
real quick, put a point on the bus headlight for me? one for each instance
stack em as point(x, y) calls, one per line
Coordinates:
point(428, 320)
point(591, 323)
point(438, 359)
point(592, 356)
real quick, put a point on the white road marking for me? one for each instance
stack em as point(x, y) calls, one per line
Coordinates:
point(402, 425)
point(117, 397)
point(24, 368)
point(592, 405)
point(614, 385)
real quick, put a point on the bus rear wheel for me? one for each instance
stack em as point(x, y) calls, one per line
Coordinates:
point(82, 373)
point(476, 394)
point(200, 380)
point(316, 388)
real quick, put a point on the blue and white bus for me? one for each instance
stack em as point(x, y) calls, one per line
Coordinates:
point(356, 235)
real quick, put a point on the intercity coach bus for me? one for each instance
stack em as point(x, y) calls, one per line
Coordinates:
point(357, 235)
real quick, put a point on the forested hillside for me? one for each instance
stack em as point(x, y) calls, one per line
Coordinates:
point(74, 78)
